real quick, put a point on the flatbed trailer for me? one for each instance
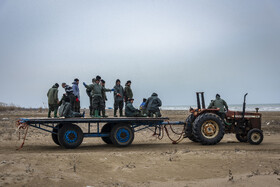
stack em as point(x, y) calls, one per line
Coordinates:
point(67, 132)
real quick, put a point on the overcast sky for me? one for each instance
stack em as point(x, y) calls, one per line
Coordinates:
point(171, 47)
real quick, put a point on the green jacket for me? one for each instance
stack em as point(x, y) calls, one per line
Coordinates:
point(153, 103)
point(128, 92)
point(95, 89)
point(130, 110)
point(118, 90)
point(53, 95)
point(219, 103)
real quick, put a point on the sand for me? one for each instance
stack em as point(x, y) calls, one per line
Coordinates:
point(147, 162)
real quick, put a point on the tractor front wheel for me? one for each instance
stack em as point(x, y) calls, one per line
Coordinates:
point(255, 136)
point(241, 137)
point(208, 129)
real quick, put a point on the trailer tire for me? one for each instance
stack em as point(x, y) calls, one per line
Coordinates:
point(107, 129)
point(122, 135)
point(70, 136)
point(208, 129)
point(241, 137)
point(55, 136)
point(189, 127)
point(255, 136)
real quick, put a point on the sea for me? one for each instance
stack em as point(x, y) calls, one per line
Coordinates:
point(249, 107)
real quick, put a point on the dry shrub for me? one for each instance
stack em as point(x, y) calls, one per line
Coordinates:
point(6, 107)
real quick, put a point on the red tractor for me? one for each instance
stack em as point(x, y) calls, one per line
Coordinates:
point(208, 126)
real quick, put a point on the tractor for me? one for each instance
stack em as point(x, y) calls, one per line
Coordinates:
point(208, 126)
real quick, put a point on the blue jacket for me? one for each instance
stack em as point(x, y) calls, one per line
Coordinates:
point(76, 90)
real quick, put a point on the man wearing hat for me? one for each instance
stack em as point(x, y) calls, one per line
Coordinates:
point(221, 104)
point(127, 91)
point(90, 97)
point(104, 97)
point(130, 111)
point(53, 100)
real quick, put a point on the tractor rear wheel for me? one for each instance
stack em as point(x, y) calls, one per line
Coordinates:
point(208, 129)
point(255, 136)
point(189, 127)
point(122, 135)
point(241, 137)
point(70, 136)
point(107, 129)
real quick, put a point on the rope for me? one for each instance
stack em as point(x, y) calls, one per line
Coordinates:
point(23, 126)
point(160, 135)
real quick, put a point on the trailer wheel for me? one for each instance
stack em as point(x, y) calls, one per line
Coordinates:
point(255, 136)
point(122, 135)
point(70, 136)
point(189, 127)
point(241, 137)
point(55, 136)
point(208, 129)
point(107, 129)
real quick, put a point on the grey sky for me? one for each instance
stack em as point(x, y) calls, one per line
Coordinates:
point(171, 47)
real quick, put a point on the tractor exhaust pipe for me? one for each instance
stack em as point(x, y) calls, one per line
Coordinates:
point(202, 100)
point(244, 106)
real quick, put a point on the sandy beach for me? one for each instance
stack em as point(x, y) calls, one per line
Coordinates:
point(147, 162)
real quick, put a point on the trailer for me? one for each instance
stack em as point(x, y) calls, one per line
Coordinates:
point(67, 132)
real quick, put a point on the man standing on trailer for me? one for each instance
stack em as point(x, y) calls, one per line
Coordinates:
point(69, 93)
point(90, 97)
point(118, 97)
point(104, 97)
point(127, 91)
point(221, 104)
point(53, 100)
point(96, 93)
point(76, 92)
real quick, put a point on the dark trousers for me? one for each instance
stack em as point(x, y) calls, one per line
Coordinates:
point(77, 106)
point(97, 103)
point(53, 107)
point(118, 104)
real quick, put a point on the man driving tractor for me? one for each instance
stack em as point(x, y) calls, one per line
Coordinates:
point(221, 104)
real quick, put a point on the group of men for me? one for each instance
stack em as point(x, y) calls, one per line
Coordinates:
point(70, 102)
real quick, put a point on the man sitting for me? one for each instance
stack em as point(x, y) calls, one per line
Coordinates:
point(130, 111)
point(221, 104)
point(66, 111)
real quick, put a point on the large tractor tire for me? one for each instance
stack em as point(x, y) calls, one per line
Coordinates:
point(255, 136)
point(107, 129)
point(241, 137)
point(208, 129)
point(70, 136)
point(189, 127)
point(55, 136)
point(122, 135)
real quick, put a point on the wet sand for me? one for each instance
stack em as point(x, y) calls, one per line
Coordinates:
point(147, 162)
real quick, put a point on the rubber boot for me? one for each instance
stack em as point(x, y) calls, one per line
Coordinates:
point(115, 113)
point(96, 114)
point(121, 113)
point(104, 114)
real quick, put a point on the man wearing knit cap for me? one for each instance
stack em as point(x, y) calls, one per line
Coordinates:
point(127, 91)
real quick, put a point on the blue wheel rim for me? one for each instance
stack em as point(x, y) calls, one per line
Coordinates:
point(70, 136)
point(123, 135)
